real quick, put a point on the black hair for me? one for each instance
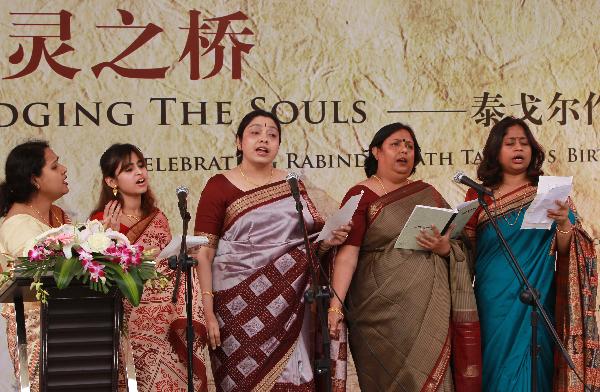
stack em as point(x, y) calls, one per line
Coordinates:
point(24, 162)
point(489, 170)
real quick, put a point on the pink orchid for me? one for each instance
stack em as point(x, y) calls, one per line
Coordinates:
point(85, 256)
point(86, 264)
point(38, 253)
point(96, 271)
point(65, 237)
point(111, 250)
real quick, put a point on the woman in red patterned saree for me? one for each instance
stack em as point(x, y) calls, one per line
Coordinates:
point(254, 271)
point(155, 328)
point(412, 314)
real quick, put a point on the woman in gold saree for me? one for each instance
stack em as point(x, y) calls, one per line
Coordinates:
point(254, 271)
point(34, 179)
point(399, 301)
point(156, 327)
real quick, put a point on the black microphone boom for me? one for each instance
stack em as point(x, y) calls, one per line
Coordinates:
point(292, 180)
point(182, 193)
point(461, 178)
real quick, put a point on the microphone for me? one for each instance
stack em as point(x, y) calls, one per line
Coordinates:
point(461, 178)
point(182, 193)
point(292, 180)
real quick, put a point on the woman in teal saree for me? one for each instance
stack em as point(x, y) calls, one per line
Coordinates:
point(553, 261)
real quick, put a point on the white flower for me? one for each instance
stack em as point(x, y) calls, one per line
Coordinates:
point(90, 227)
point(97, 242)
point(119, 237)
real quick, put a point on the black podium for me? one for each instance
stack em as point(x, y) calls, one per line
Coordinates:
point(79, 331)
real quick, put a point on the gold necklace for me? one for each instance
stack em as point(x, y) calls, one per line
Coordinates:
point(406, 181)
point(380, 183)
point(39, 214)
point(253, 183)
point(501, 206)
point(133, 217)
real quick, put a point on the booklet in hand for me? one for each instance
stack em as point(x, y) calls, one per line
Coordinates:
point(423, 217)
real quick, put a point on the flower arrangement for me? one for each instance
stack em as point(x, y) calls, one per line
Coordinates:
point(91, 254)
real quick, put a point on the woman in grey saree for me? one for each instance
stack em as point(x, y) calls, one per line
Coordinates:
point(254, 271)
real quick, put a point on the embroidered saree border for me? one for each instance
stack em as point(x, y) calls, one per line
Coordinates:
point(441, 367)
point(253, 199)
point(137, 230)
point(400, 193)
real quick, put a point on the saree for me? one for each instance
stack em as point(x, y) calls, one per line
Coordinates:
point(156, 328)
point(16, 236)
point(399, 300)
point(505, 320)
point(260, 273)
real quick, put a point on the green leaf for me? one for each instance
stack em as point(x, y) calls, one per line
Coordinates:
point(129, 283)
point(147, 271)
point(65, 270)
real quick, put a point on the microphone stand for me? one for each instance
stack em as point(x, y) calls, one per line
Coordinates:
point(529, 296)
point(185, 263)
point(321, 295)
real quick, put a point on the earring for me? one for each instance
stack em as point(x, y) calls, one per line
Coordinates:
point(115, 191)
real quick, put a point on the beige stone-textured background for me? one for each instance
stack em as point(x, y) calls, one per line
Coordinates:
point(393, 55)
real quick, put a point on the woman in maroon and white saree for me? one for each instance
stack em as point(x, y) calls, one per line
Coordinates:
point(155, 329)
point(260, 273)
point(254, 273)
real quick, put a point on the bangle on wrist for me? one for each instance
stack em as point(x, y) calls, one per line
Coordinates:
point(335, 310)
point(208, 293)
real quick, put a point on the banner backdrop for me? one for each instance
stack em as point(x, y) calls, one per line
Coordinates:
point(175, 78)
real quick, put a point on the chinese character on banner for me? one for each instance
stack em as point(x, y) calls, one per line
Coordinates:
point(150, 31)
point(589, 106)
point(197, 37)
point(561, 107)
point(488, 109)
point(528, 102)
point(44, 21)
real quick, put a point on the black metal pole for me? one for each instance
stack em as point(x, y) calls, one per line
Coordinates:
point(534, 349)
point(322, 296)
point(185, 263)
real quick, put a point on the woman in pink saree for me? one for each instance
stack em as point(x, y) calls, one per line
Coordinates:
point(254, 271)
point(156, 328)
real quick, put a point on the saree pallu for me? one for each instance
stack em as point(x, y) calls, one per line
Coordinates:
point(156, 329)
point(577, 287)
point(400, 303)
point(505, 320)
point(260, 273)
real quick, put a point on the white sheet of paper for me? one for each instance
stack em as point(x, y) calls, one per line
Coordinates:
point(173, 248)
point(341, 217)
point(550, 189)
point(548, 182)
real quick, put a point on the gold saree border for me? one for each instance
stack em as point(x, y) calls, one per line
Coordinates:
point(400, 193)
point(137, 230)
point(269, 380)
point(441, 367)
point(213, 240)
point(253, 199)
point(510, 203)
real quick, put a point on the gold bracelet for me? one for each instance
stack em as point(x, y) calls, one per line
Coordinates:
point(208, 293)
point(335, 310)
point(564, 232)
